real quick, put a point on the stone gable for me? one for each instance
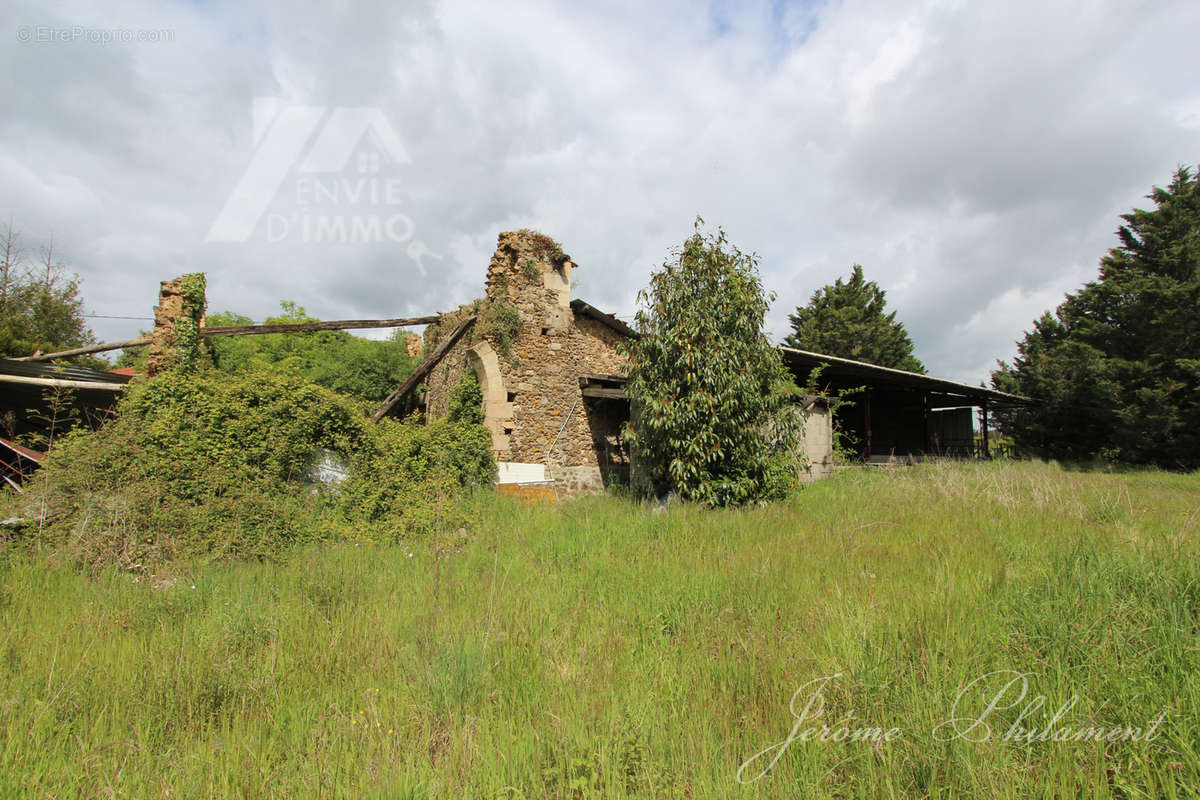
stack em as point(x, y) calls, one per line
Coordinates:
point(530, 369)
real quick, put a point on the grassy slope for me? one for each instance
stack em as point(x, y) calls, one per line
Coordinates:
point(601, 649)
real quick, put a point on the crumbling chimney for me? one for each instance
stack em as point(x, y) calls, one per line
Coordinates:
point(531, 272)
point(178, 318)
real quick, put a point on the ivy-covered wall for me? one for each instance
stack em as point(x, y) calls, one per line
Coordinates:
point(175, 343)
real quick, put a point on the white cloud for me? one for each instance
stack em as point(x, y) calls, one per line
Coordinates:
point(973, 157)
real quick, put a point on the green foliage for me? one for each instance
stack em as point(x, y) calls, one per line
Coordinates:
point(188, 349)
point(710, 393)
point(40, 305)
point(1115, 371)
point(404, 479)
point(845, 442)
point(209, 464)
point(257, 426)
point(366, 369)
point(544, 247)
point(848, 320)
point(58, 413)
point(499, 323)
point(466, 401)
point(196, 464)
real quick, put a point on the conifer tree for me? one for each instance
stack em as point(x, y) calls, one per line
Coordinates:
point(1115, 370)
point(847, 319)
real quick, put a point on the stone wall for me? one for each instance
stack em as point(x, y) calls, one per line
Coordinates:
point(532, 399)
point(177, 321)
point(449, 371)
point(412, 344)
point(530, 373)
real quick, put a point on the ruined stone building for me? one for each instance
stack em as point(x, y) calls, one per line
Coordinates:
point(552, 375)
point(548, 366)
point(553, 378)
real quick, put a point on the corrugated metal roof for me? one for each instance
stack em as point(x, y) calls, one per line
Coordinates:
point(846, 368)
point(849, 369)
point(37, 369)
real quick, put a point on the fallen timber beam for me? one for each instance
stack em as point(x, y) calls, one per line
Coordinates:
point(61, 383)
point(83, 351)
point(302, 327)
point(421, 371)
point(243, 330)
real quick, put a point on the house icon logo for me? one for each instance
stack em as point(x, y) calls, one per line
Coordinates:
point(336, 155)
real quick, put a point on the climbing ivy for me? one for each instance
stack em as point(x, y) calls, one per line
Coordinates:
point(466, 401)
point(499, 323)
point(192, 290)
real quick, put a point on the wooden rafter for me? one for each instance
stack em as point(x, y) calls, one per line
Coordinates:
point(421, 371)
point(243, 330)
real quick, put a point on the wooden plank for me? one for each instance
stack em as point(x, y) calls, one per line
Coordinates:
point(63, 384)
point(593, 377)
point(421, 371)
point(83, 351)
point(927, 413)
point(987, 452)
point(867, 421)
point(243, 330)
point(22, 452)
point(601, 391)
point(305, 327)
point(529, 492)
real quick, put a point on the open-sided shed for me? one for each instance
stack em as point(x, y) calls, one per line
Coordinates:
point(901, 413)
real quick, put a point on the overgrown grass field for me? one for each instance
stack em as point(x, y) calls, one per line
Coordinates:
point(602, 648)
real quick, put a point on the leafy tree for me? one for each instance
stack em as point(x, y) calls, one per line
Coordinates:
point(40, 305)
point(1115, 370)
point(712, 418)
point(848, 320)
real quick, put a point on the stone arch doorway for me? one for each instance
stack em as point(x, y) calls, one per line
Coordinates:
point(497, 410)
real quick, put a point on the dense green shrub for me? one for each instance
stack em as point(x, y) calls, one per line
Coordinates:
point(466, 401)
point(213, 464)
point(258, 426)
point(405, 480)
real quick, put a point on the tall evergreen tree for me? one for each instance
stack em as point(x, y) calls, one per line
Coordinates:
point(713, 420)
point(847, 319)
point(1115, 370)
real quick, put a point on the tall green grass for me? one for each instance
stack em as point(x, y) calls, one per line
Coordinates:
point(605, 649)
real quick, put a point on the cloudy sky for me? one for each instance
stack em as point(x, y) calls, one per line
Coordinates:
point(973, 156)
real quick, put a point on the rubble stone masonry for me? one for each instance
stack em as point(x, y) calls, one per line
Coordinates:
point(533, 403)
